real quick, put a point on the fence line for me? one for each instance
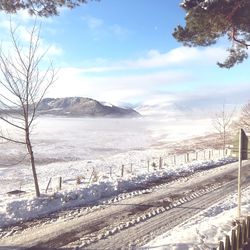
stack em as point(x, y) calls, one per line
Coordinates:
point(137, 166)
point(240, 237)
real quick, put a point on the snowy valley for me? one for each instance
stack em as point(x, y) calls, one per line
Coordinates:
point(116, 166)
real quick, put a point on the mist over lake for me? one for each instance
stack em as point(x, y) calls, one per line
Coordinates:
point(58, 139)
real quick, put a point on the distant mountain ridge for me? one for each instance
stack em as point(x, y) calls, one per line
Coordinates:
point(83, 107)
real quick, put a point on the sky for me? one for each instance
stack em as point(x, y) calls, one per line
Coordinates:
point(123, 52)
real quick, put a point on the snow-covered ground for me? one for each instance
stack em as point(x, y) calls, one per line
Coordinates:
point(82, 145)
point(99, 158)
point(96, 186)
point(205, 230)
point(67, 139)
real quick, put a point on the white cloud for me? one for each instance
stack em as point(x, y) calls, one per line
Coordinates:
point(181, 56)
point(22, 34)
point(115, 89)
point(119, 31)
point(101, 29)
point(151, 89)
point(93, 22)
point(53, 50)
point(127, 87)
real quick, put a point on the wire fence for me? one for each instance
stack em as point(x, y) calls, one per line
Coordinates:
point(129, 167)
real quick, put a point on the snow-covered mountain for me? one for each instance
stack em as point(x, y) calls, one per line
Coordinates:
point(165, 109)
point(81, 106)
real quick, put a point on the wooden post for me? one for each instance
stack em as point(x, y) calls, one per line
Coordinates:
point(244, 232)
point(148, 165)
point(174, 160)
point(196, 155)
point(204, 154)
point(209, 154)
point(122, 172)
point(239, 174)
point(239, 237)
point(227, 243)
point(48, 185)
point(221, 246)
point(131, 168)
point(92, 173)
point(233, 240)
point(248, 227)
point(160, 163)
point(187, 157)
point(60, 183)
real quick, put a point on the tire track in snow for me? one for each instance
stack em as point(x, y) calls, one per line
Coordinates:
point(142, 233)
point(77, 232)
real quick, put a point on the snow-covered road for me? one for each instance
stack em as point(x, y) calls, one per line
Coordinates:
point(135, 220)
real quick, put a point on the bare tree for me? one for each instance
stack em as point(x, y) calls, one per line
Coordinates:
point(222, 122)
point(244, 121)
point(23, 84)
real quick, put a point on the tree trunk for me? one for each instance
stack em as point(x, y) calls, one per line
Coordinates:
point(32, 161)
point(224, 142)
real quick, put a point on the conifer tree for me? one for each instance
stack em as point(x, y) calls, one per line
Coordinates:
point(209, 20)
point(43, 8)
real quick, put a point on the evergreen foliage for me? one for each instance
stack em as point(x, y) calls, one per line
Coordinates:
point(43, 8)
point(209, 20)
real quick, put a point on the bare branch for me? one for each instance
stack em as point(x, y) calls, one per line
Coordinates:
point(16, 163)
point(12, 140)
point(24, 88)
point(222, 123)
point(11, 123)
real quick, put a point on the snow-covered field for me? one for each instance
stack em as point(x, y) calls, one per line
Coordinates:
point(92, 187)
point(99, 158)
point(83, 144)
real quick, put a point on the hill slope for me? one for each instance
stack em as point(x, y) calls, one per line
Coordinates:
point(81, 106)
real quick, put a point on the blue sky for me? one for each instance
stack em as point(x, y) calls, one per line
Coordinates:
point(123, 52)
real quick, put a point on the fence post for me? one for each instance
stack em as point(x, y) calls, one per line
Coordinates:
point(239, 174)
point(239, 237)
point(227, 243)
point(209, 154)
point(48, 185)
point(92, 173)
point(204, 152)
point(60, 183)
point(174, 160)
point(131, 168)
point(160, 163)
point(122, 172)
point(148, 165)
point(244, 236)
point(248, 227)
point(221, 246)
point(196, 155)
point(233, 240)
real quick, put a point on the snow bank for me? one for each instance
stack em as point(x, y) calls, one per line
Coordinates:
point(24, 207)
